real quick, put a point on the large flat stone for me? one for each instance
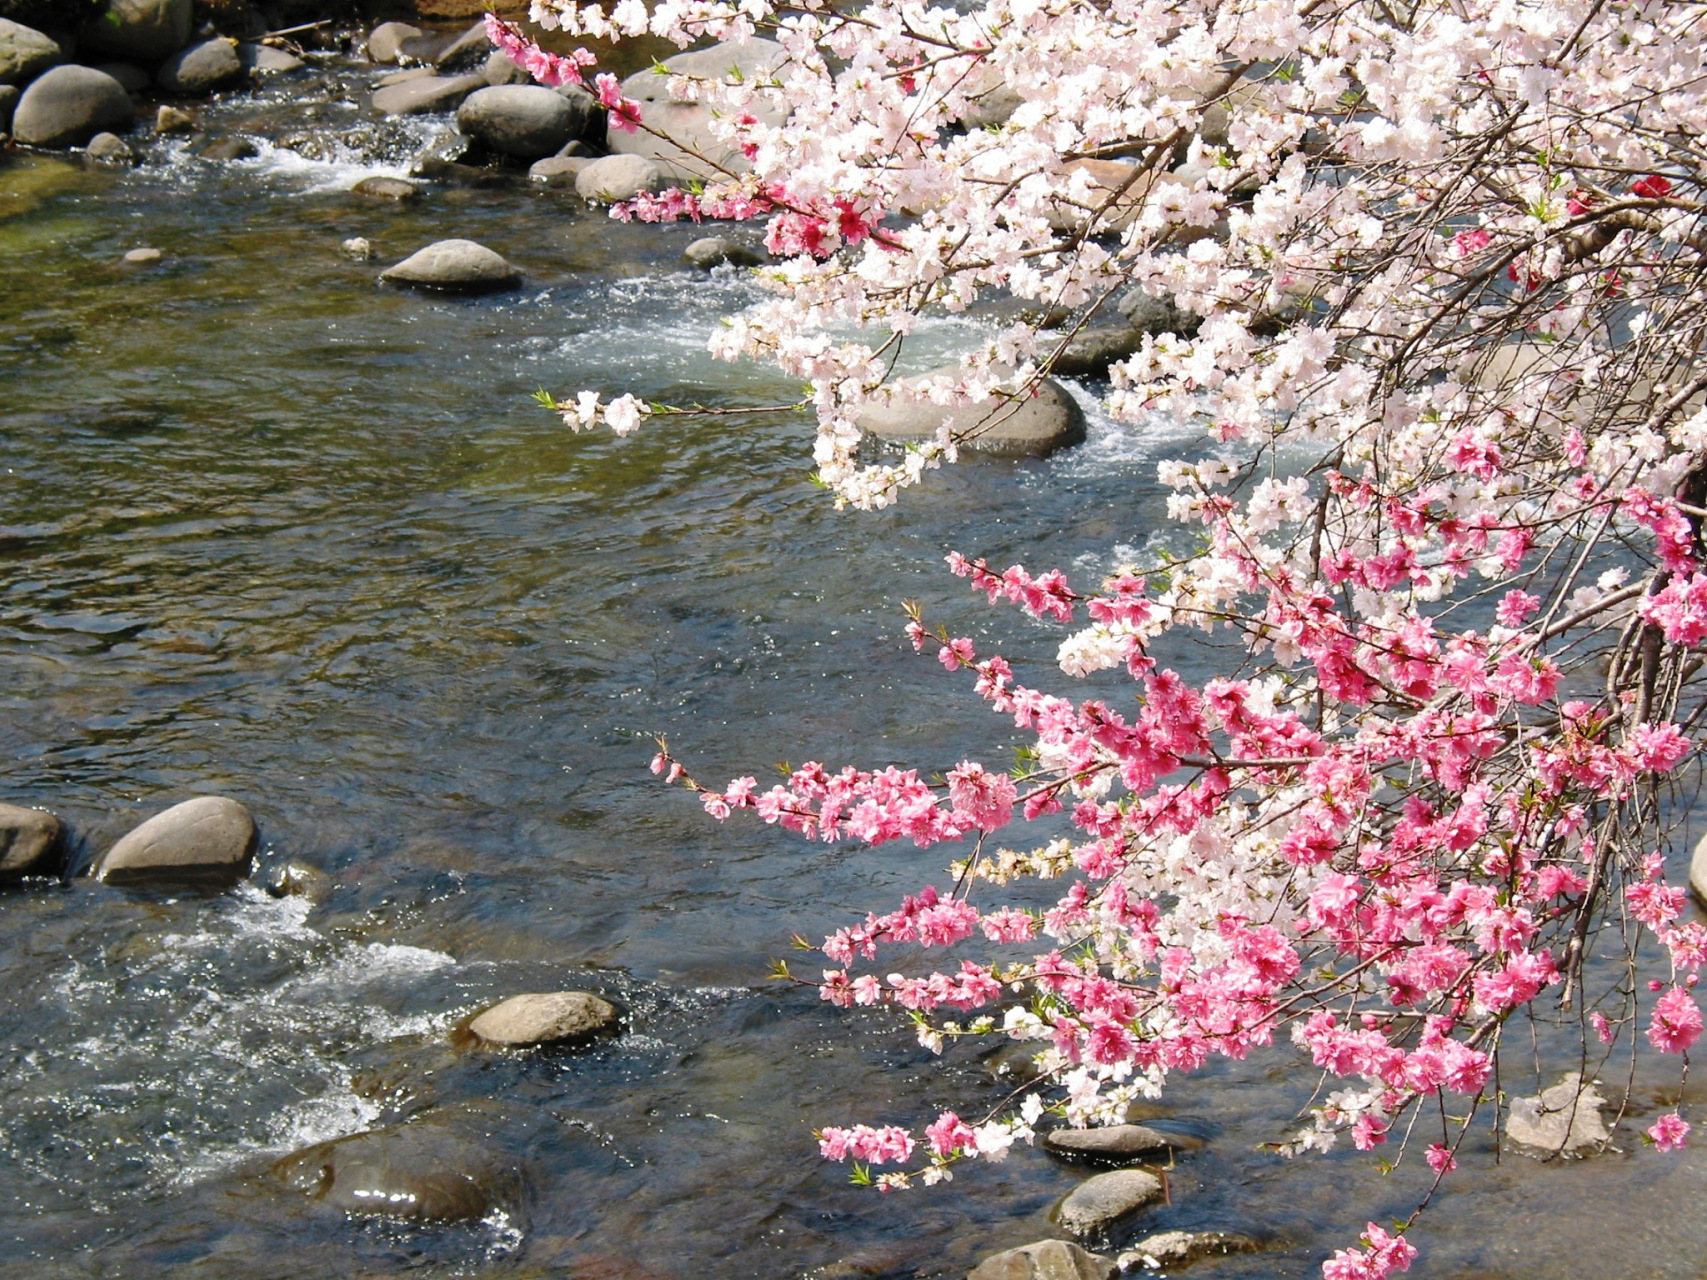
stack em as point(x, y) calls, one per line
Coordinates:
point(1565, 1118)
point(689, 149)
point(1115, 1143)
point(542, 1018)
point(1097, 1203)
point(210, 837)
point(425, 94)
point(1045, 1260)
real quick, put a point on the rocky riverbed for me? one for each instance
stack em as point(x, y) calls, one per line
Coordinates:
point(344, 924)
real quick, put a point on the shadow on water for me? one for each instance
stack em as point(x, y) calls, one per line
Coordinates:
point(274, 531)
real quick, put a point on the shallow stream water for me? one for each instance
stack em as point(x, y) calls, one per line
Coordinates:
point(270, 530)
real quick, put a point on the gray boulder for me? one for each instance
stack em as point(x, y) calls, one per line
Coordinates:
point(1091, 350)
point(24, 52)
point(1045, 1260)
point(498, 69)
point(558, 170)
point(543, 1017)
point(1033, 427)
point(132, 77)
point(66, 106)
point(447, 1166)
point(110, 149)
point(200, 69)
point(425, 94)
point(526, 121)
point(454, 266)
point(1115, 1143)
point(713, 251)
point(1097, 1203)
point(264, 60)
point(688, 149)
point(29, 841)
point(139, 30)
point(384, 41)
point(210, 837)
point(622, 177)
point(1169, 1249)
point(9, 96)
point(1158, 315)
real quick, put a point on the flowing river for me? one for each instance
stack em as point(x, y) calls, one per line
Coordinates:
point(270, 530)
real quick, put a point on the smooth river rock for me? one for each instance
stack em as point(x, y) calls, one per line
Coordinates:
point(66, 106)
point(210, 837)
point(689, 123)
point(1045, 1260)
point(1698, 872)
point(544, 1017)
point(713, 251)
point(559, 170)
point(200, 69)
point(25, 52)
point(1097, 1203)
point(1168, 1249)
point(384, 41)
point(425, 94)
point(621, 177)
point(1115, 1143)
point(1034, 427)
point(1564, 1118)
point(383, 188)
point(264, 60)
point(1091, 350)
point(109, 149)
point(527, 121)
point(455, 266)
point(132, 77)
point(29, 841)
point(139, 30)
point(453, 1165)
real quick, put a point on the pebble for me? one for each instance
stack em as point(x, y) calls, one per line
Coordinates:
point(358, 248)
point(139, 30)
point(109, 149)
point(526, 121)
point(264, 60)
point(1045, 1260)
point(171, 119)
point(233, 148)
point(380, 188)
point(1097, 1203)
point(543, 1017)
point(142, 257)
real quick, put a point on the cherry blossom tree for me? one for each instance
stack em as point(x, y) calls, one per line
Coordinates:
point(1439, 272)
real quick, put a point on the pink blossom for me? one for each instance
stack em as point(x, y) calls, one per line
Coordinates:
point(1441, 1159)
point(1676, 1022)
point(1670, 1132)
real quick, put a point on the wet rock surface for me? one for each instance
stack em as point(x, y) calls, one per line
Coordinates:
point(30, 841)
point(392, 189)
point(66, 106)
point(1173, 1249)
point(1099, 1202)
point(618, 177)
point(1045, 1260)
point(384, 41)
point(25, 52)
point(1565, 1118)
point(210, 837)
point(715, 251)
point(543, 1018)
point(528, 122)
point(423, 94)
point(454, 266)
point(458, 1164)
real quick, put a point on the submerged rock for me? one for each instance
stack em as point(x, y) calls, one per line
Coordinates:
point(380, 188)
point(425, 94)
point(1033, 427)
point(528, 122)
point(139, 30)
point(446, 1166)
point(1115, 1143)
point(612, 178)
point(1097, 1203)
point(385, 40)
point(264, 60)
point(30, 841)
point(1565, 1118)
point(296, 879)
point(713, 251)
point(459, 266)
point(210, 837)
point(1168, 1249)
point(543, 1017)
point(200, 69)
point(689, 123)
point(236, 147)
point(25, 52)
point(66, 106)
point(1045, 1260)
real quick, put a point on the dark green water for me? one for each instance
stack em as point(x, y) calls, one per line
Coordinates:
point(270, 530)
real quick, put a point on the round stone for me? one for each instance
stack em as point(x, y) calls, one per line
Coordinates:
point(610, 179)
point(1096, 1204)
point(210, 837)
point(66, 106)
point(24, 52)
point(527, 121)
point(1045, 1260)
point(1034, 426)
point(380, 188)
point(29, 841)
point(456, 266)
point(542, 1017)
point(200, 69)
